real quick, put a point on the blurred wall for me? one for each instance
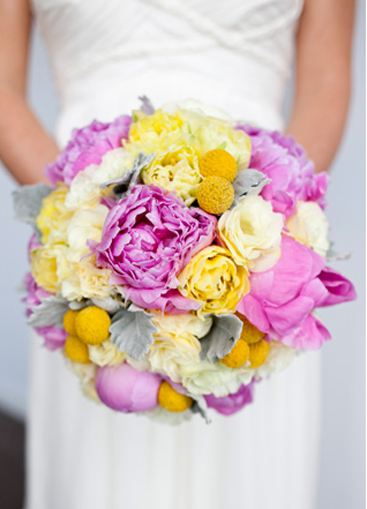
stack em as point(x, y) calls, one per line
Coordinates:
point(342, 473)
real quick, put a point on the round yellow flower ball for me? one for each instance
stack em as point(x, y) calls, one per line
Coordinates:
point(172, 400)
point(218, 163)
point(76, 350)
point(92, 325)
point(259, 353)
point(238, 356)
point(250, 333)
point(69, 321)
point(215, 195)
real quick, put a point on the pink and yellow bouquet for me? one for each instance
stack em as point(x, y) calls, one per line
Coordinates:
point(178, 258)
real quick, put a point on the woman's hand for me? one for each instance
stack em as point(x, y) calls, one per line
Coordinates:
point(25, 147)
point(323, 86)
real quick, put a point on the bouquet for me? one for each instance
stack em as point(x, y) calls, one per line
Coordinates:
point(178, 258)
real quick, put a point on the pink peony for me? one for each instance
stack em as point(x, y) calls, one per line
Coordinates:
point(53, 336)
point(86, 147)
point(281, 299)
point(125, 389)
point(292, 175)
point(232, 403)
point(147, 239)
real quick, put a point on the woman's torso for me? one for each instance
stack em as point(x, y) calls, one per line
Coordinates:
point(105, 53)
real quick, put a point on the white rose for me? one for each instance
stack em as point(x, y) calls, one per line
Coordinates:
point(309, 225)
point(252, 233)
point(178, 324)
point(170, 353)
point(106, 354)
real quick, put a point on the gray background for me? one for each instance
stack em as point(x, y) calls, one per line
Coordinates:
point(342, 472)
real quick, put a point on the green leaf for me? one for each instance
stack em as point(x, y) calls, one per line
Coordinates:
point(132, 331)
point(221, 338)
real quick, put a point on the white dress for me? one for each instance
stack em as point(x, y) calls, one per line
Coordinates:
point(235, 55)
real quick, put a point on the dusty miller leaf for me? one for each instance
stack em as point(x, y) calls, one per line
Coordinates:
point(200, 407)
point(221, 338)
point(124, 184)
point(248, 182)
point(27, 202)
point(132, 331)
point(146, 105)
point(332, 255)
point(50, 312)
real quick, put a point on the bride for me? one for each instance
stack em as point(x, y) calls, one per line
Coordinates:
point(236, 55)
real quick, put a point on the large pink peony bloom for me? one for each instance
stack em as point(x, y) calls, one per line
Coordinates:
point(53, 336)
point(232, 403)
point(125, 389)
point(281, 299)
point(147, 239)
point(87, 146)
point(292, 174)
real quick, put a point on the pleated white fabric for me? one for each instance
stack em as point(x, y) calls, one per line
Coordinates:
point(235, 55)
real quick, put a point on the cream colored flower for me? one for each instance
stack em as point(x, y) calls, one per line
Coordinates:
point(170, 353)
point(252, 233)
point(53, 218)
point(207, 378)
point(49, 266)
point(177, 171)
point(106, 354)
point(178, 324)
point(214, 280)
point(309, 225)
point(279, 358)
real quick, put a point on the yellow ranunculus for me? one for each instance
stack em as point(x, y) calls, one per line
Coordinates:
point(53, 218)
point(213, 279)
point(252, 233)
point(176, 170)
point(177, 324)
point(154, 133)
point(48, 267)
point(309, 225)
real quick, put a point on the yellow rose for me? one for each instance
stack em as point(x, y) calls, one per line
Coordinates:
point(53, 218)
point(177, 324)
point(106, 354)
point(176, 170)
point(49, 266)
point(252, 233)
point(309, 225)
point(214, 280)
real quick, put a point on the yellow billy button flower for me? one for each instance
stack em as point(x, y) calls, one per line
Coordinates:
point(215, 195)
point(214, 280)
point(238, 356)
point(249, 332)
point(218, 163)
point(172, 400)
point(69, 321)
point(76, 350)
point(92, 325)
point(259, 352)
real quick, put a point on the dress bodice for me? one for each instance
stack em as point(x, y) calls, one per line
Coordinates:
point(105, 53)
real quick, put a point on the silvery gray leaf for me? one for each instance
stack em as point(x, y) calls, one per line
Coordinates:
point(80, 304)
point(124, 184)
point(50, 312)
point(146, 106)
point(248, 182)
point(332, 255)
point(221, 338)
point(200, 407)
point(27, 202)
point(109, 304)
point(132, 332)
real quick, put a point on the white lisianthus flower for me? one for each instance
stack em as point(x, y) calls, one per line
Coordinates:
point(86, 374)
point(106, 354)
point(251, 230)
point(207, 378)
point(279, 358)
point(198, 107)
point(170, 353)
point(114, 164)
point(309, 225)
point(178, 324)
